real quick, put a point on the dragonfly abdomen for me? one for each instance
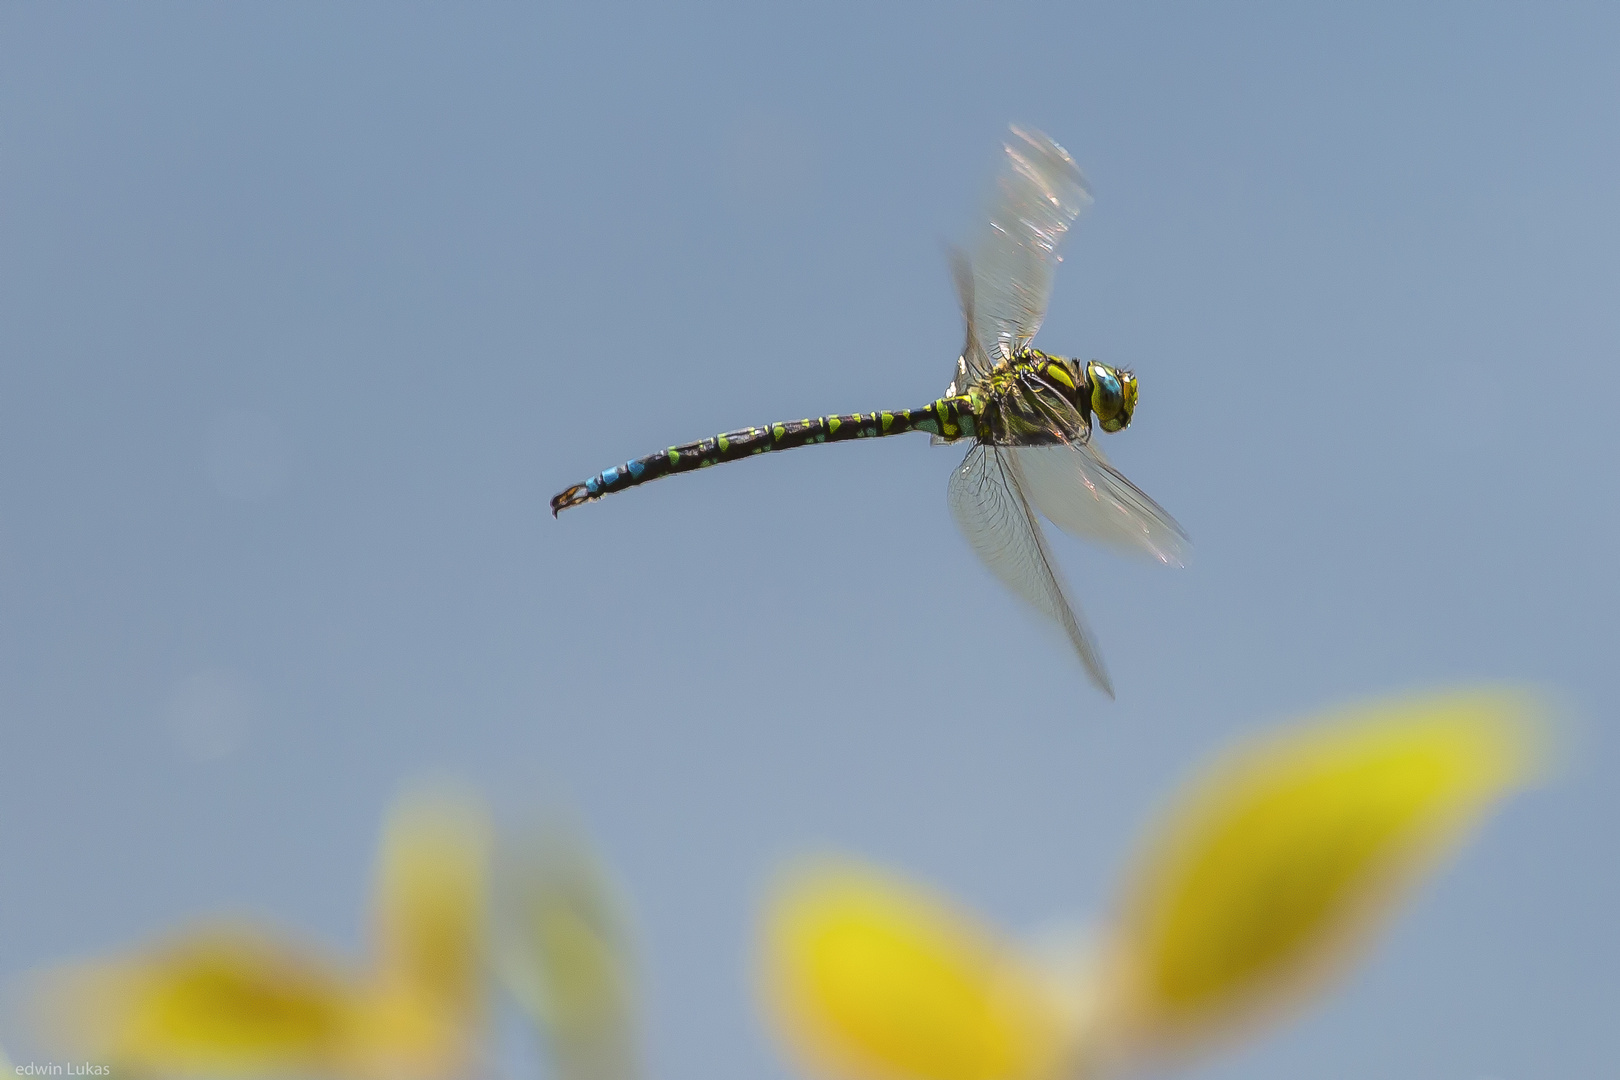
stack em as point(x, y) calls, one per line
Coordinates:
point(950, 418)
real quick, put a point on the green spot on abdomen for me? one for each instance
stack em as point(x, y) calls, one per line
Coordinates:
point(777, 431)
point(832, 425)
point(674, 456)
point(723, 442)
point(888, 420)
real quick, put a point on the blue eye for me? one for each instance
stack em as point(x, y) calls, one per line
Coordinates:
point(1110, 384)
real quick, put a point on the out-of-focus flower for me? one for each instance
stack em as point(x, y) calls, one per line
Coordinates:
point(424, 1000)
point(564, 954)
point(1265, 877)
point(220, 998)
point(232, 999)
point(871, 977)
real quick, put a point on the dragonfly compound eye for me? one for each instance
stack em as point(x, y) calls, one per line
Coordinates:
point(1113, 395)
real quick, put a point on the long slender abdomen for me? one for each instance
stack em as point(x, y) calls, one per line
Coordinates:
point(949, 417)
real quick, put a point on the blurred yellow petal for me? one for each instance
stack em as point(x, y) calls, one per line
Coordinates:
point(234, 1001)
point(1269, 872)
point(397, 1032)
point(870, 977)
point(431, 896)
point(565, 955)
point(222, 1001)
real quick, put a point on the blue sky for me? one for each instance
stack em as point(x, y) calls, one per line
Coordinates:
point(305, 312)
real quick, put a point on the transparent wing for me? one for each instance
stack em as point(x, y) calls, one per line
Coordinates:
point(1077, 490)
point(1038, 415)
point(986, 497)
point(1039, 193)
point(972, 363)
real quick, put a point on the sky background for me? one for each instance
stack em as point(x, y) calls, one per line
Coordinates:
point(306, 310)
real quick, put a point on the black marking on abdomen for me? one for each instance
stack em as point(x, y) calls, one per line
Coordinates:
point(951, 417)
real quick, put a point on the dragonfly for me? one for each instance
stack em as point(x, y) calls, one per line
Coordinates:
point(1029, 418)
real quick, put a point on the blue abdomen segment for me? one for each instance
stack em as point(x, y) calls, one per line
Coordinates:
point(950, 418)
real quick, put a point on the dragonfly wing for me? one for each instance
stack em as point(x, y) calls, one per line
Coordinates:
point(973, 363)
point(1077, 490)
point(1039, 193)
point(987, 500)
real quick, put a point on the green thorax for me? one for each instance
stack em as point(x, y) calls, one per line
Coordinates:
point(1015, 402)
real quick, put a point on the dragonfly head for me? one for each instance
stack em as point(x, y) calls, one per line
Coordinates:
point(1113, 395)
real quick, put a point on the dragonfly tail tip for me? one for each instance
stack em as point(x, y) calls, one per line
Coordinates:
point(571, 497)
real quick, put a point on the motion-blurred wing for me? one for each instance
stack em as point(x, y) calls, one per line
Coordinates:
point(1039, 193)
point(972, 363)
point(1077, 490)
point(986, 497)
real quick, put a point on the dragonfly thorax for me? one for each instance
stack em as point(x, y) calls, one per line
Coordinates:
point(1098, 393)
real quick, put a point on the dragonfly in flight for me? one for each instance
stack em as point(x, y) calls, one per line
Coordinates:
point(1029, 418)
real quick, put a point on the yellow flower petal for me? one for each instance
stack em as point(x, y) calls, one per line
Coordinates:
point(565, 956)
point(870, 977)
point(234, 1001)
point(431, 897)
point(222, 1001)
point(1270, 871)
point(398, 1032)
